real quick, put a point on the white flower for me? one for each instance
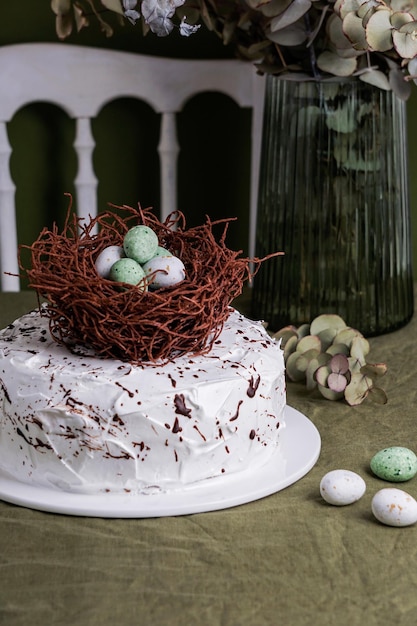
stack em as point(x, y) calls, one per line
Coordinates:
point(129, 10)
point(157, 14)
point(186, 29)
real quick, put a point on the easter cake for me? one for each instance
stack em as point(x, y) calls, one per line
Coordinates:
point(114, 385)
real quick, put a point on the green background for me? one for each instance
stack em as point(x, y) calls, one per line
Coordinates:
point(43, 161)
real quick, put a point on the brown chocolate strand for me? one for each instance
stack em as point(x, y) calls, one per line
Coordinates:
point(131, 324)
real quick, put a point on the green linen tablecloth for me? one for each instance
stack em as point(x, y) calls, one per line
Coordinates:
point(289, 559)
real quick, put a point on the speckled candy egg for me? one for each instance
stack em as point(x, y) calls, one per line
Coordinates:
point(394, 507)
point(140, 243)
point(127, 271)
point(170, 271)
point(395, 464)
point(341, 487)
point(107, 258)
point(160, 251)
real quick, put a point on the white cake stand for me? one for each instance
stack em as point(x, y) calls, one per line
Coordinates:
point(302, 449)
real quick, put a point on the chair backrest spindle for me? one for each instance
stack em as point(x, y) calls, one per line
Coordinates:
point(86, 181)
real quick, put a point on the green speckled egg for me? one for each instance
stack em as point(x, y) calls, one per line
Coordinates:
point(395, 464)
point(163, 252)
point(140, 243)
point(126, 271)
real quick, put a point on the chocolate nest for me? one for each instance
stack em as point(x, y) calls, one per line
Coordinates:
point(128, 323)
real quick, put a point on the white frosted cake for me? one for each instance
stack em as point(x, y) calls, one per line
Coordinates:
point(136, 375)
point(81, 423)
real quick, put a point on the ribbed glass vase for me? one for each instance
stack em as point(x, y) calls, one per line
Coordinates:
point(333, 196)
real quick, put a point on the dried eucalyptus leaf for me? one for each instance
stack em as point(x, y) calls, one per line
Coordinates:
point(296, 367)
point(310, 342)
point(312, 353)
point(293, 35)
point(322, 375)
point(326, 337)
point(327, 320)
point(379, 30)
point(358, 389)
point(113, 5)
point(303, 330)
point(290, 346)
point(269, 8)
point(367, 9)
point(305, 359)
point(347, 335)
point(405, 41)
point(311, 382)
point(355, 365)
point(313, 366)
point(378, 395)
point(63, 25)
point(412, 67)
point(338, 348)
point(292, 13)
point(359, 348)
point(375, 78)
point(400, 86)
point(81, 20)
point(339, 364)
point(329, 394)
point(334, 29)
point(354, 31)
point(374, 369)
point(333, 64)
point(403, 5)
point(60, 7)
point(399, 18)
point(285, 334)
point(337, 382)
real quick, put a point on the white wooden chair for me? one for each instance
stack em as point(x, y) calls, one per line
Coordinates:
point(81, 81)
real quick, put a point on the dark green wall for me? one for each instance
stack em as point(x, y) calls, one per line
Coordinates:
point(125, 159)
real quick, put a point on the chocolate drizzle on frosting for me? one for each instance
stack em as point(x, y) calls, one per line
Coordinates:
point(176, 427)
point(180, 406)
point(6, 395)
point(236, 415)
point(253, 386)
point(37, 445)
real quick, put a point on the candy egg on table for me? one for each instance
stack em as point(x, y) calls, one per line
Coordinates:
point(127, 271)
point(140, 243)
point(341, 487)
point(107, 258)
point(168, 270)
point(394, 507)
point(395, 464)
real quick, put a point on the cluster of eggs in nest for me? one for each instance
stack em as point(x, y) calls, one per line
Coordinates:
point(140, 261)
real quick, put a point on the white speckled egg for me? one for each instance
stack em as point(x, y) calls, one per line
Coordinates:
point(169, 271)
point(341, 487)
point(394, 507)
point(107, 258)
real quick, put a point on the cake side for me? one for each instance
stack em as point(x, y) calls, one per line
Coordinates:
point(85, 424)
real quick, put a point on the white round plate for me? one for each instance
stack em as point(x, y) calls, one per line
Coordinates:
point(301, 451)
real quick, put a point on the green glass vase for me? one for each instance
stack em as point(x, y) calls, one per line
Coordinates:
point(333, 196)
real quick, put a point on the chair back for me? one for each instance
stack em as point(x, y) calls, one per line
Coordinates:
point(81, 80)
